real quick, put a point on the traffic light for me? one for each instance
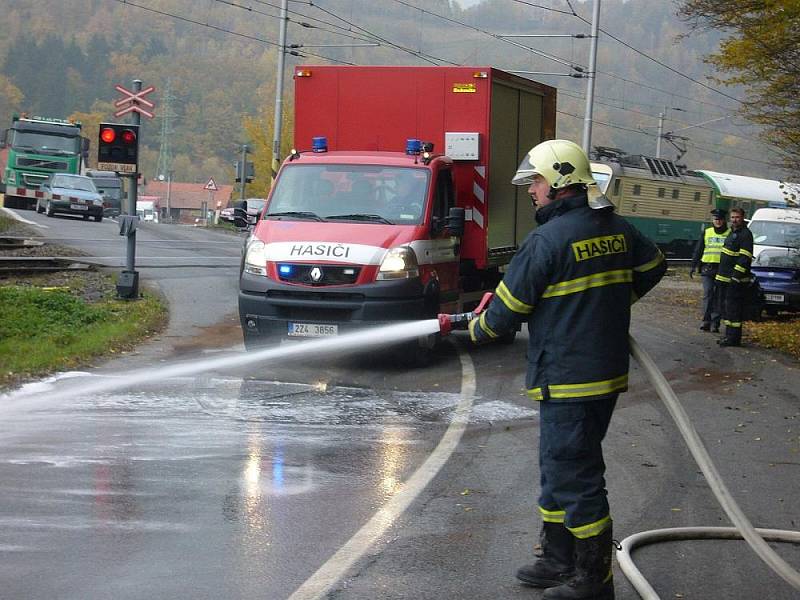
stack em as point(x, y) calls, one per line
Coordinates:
point(249, 174)
point(118, 148)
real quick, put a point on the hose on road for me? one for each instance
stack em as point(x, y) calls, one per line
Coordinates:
point(743, 528)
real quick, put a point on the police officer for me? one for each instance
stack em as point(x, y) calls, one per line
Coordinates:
point(706, 259)
point(573, 281)
point(734, 277)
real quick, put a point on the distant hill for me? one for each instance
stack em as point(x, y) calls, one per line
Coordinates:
point(62, 58)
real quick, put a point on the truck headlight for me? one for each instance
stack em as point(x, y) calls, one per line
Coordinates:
point(255, 258)
point(399, 263)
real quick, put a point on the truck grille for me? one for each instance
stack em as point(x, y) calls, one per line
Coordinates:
point(31, 180)
point(42, 163)
point(319, 275)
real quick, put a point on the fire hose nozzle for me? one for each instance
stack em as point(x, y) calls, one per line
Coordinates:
point(461, 320)
point(455, 321)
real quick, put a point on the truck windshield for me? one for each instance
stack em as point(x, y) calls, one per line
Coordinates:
point(45, 142)
point(776, 233)
point(358, 193)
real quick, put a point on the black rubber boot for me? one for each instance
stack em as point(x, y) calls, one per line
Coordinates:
point(593, 578)
point(557, 563)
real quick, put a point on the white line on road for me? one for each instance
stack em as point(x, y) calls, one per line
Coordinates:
point(337, 565)
point(15, 215)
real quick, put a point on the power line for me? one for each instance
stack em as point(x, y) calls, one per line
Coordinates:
point(652, 135)
point(660, 107)
point(495, 36)
point(550, 8)
point(662, 64)
point(219, 29)
point(306, 24)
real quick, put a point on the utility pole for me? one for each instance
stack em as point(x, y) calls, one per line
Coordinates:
point(587, 121)
point(278, 119)
point(660, 132)
point(243, 170)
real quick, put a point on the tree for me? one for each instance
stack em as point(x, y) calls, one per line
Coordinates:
point(10, 99)
point(761, 53)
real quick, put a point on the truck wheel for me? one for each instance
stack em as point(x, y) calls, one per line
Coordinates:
point(85, 217)
point(49, 209)
point(98, 218)
point(39, 208)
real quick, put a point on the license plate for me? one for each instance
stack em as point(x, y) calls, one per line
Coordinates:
point(312, 330)
point(774, 297)
point(78, 207)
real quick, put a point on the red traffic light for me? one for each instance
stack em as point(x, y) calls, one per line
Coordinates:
point(108, 135)
point(128, 137)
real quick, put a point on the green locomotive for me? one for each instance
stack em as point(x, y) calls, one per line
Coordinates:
point(666, 202)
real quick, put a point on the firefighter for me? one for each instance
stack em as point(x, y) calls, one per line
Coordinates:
point(734, 277)
point(706, 260)
point(573, 281)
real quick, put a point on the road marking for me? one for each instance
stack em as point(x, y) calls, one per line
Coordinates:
point(18, 217)
point(337, 565)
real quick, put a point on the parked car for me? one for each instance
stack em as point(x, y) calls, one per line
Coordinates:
point(70, 194)
point(109, 186)
point(777, 271)
point(243, 213)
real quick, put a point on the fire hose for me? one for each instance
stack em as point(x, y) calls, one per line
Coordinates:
point(743, 528)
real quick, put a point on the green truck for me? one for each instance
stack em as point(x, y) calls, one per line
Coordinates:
point(34, 147)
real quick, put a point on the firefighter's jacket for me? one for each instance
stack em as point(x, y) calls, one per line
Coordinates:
point(573, 281)
point(737, 254)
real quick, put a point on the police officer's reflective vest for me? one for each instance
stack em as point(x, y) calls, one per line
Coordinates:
point(712, 245)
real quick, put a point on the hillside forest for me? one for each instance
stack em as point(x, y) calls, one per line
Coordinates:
point(213, 63)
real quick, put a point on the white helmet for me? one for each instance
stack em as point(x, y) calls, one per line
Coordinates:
point(562, 163)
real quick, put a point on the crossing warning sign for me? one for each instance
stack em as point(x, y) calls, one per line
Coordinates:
point(211, 186)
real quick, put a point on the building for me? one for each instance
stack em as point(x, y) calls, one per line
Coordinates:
point(187, 201)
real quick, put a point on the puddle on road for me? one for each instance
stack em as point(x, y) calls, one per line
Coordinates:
point(276, 402)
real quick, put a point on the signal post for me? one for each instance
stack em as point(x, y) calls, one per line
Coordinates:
point(118, 150)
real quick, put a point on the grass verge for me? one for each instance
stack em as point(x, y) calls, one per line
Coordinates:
point(68, 319)
point(780, 333)
point(46, 328)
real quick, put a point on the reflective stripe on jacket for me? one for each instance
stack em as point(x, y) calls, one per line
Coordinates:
point(712, 245)
point(737, 254)
point(573, 281)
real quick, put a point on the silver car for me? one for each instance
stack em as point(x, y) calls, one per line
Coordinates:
point(70, 194)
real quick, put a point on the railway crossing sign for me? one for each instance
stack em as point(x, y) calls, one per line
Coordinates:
point(135, 102)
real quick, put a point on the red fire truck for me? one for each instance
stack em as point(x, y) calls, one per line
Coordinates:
point(396, 203)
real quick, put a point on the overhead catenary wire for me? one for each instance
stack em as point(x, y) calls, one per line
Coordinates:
point(218, 28)
point(653, 135)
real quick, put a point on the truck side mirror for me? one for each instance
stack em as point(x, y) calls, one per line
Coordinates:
point(85, 147)
point(455, 221)
point(240, 222)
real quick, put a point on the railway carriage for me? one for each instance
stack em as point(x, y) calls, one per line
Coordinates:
point(670, 204)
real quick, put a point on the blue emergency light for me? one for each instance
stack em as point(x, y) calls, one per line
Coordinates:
point(319, 144)
point(285, 270)
point(413, 146)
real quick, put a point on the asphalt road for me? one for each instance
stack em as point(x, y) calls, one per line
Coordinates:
point(354, 476)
